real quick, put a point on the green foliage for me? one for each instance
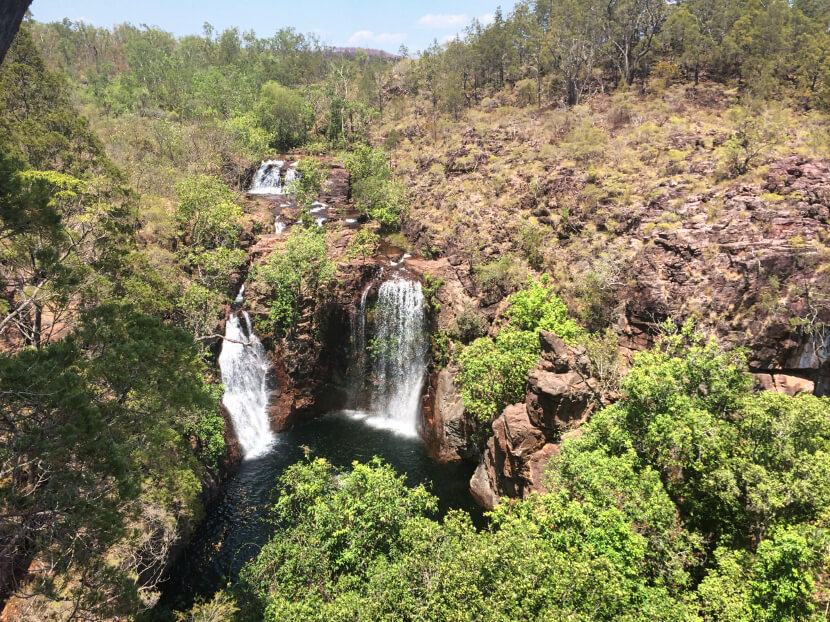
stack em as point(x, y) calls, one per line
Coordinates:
point(208, 428)
point(364, 243)
point(215, 268)
point(284, 114)
point(338, 523)
point(208, 212)
point(360, 546)
point(470, 324)
point(298, 276)
point(753, 136)
point(373, 190)
point(201, 310)
point(382, 200)
point(95, 442)
point(613, 539)
point(252, 138)
point(499, 278)
point(221, 608)
point(536, 307)
point(364, 162)
point(532, 241)
point(431, 288)
point(311, 174)
point(493, 372)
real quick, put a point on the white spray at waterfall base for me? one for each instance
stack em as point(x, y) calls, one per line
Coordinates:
point(245, 376)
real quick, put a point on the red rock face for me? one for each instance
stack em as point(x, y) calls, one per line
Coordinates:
point(750, 263)
point(561, 395)
point(445, 427)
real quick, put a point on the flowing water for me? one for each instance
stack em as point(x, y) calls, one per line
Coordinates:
point(399, 353)
point(269, 178)
point(390, 351)
point(245, 369)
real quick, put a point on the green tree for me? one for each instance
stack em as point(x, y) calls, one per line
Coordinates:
point(284, 114)
point(208, 212)
point(493, 372)
point(298, 276)
point(95, 431)
point(363, 243)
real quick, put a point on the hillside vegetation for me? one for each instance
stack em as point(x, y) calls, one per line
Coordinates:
point(588, 169)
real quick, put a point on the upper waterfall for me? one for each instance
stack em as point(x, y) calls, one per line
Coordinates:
point(245, 376)
point(268, 179)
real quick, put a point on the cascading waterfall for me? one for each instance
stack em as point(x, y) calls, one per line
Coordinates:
point(245, 376)
point(268, 179)
point(399, 350)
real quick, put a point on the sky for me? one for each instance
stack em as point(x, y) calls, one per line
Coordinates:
point(381, 24)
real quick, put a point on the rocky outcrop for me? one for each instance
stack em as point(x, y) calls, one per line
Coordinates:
point(750, 263)
point(561, 395)
point(446, 428)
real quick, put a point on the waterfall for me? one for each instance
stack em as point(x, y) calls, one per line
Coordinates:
point(268, 178)
point(245, 376)
point(291, 174)
point(399, 351)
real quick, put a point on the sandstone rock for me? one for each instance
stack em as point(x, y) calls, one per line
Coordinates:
point(560, 396)
point(446, 429)
point(746, 270)
point(784, 383)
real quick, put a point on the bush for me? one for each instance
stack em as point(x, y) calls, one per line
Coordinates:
point(753, 136)
point(285, 115)
point(526, 91)
point(384, 201)
point(364, 162)
point(207, 212)
point(372, 188)
point(364, 243)
point(311, 175)
point(499, 278)
point(298, 273)
point(493, 372)
point(470, 324)
point(537, 308)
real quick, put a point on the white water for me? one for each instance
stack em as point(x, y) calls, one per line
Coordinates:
point(400, 350)
point(245, 376)
point(268, 178)
point(279, 226)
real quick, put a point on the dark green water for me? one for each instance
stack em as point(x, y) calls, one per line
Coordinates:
point(235, 529)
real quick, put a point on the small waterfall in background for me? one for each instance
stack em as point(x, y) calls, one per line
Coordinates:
point(245, 376)
point(398, 349)
point(291, 174)
point(268, 179)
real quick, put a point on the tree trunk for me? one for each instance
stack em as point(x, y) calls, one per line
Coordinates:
point(11, 14)
point(573, 93)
